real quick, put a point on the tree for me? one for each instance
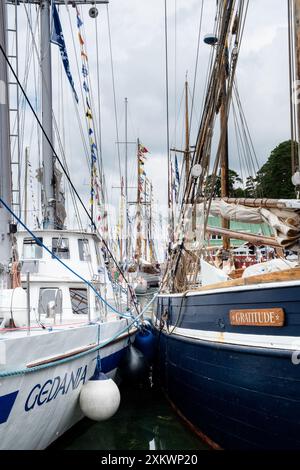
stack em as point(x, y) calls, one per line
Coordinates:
point(233, 185)
point(274, 178)
point(250, 190)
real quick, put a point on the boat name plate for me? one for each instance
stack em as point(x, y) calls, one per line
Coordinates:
point(257, 317)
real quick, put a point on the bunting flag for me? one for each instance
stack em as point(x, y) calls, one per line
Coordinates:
point(96, 191)
point(142, 196)
point(173, 183)
point(143, 149)
point(57, 38)
point(84, 69)
point(177, 170)
point(141, 161)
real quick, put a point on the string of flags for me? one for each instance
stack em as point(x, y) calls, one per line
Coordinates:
point(32, 191)
point(141, 162)
point(57, 38)
point(175, 178)
point(96, 193)
point(142, 188)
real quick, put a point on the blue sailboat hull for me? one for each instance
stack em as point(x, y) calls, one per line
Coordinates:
point(241, 396)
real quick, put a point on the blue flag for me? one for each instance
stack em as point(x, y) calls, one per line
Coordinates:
point(57, 38)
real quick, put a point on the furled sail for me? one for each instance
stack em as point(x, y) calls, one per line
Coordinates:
point(285, 222)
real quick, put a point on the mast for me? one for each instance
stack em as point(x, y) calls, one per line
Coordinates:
point(126, 188)
point(187, 135)
point(150, 226)
point(5, 168)
point(145, 222)
point(26, 184)
point(139, 223)
point(224, 154)
point(50, 218)
point(48, 159)
point(296, 8)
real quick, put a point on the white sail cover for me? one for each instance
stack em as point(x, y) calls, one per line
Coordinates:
point(210, 274)
point(284, 222)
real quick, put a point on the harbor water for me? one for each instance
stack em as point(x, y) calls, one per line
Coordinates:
point(144, 421)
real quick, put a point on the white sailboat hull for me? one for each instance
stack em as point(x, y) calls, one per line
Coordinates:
point(37, 407)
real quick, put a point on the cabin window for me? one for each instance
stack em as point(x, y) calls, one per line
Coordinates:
point(48, 296)
point(31, 248)
point(79, 301)
point(84, 250)
point(60, 247)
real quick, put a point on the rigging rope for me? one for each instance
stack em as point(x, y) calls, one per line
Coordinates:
point(53, 255)
point(28, 370)
point(66, 173)
point(196, 65)
point(167, 108)
point(114, 95)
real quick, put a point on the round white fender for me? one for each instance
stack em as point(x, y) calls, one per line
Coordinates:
point(100, 398)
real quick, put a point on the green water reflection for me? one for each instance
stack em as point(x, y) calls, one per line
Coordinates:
point(144, 421)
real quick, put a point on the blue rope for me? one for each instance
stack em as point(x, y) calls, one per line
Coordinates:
point(121, 314)
point(15, 372)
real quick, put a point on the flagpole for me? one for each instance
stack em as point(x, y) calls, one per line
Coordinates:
point(138, 241)
point(48, 160)
point(126, 190)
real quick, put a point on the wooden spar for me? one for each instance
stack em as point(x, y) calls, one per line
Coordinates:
point(224, 151)
point(145, 222)
point(296, 4)
point(254, 239)
point(259, 202)
point(224, 159)
point(150, 228)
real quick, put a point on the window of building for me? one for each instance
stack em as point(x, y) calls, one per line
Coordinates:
point(84, 250)
point(60, 247)
point(31, 248)
point(79, 301)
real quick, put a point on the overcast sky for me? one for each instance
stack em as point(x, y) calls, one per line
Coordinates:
point(137, 31)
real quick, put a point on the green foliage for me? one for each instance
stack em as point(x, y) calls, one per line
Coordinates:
point(273, 180)
point(234, 189)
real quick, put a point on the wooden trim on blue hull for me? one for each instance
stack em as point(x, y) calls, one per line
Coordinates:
point(194, 429)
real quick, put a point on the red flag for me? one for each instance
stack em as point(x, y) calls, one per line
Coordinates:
point(143, 149)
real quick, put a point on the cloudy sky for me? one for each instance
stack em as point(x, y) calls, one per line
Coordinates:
point(137, 33)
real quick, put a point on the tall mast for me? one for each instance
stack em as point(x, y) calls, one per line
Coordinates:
point(146, 221)
point(187, 134)
point(224, 155)
point(48, 158)
point(296, 8)
point(138, 213)
point(5, 165)
point(25, 186)
point(150, 226)
point(126, 187)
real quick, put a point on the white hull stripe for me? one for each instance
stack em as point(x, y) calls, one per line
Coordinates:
point(291, 343)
